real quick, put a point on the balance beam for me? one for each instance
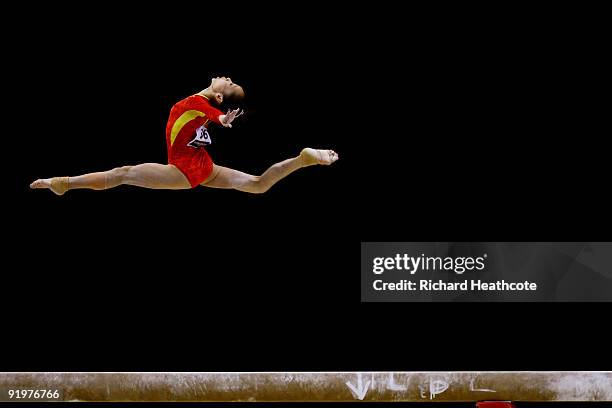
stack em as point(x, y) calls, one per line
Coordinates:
point(532, 386)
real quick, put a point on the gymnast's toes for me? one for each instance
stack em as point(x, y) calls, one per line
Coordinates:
point(333, 156)
point(41, 183)
point(314, 156)
point(327, 157)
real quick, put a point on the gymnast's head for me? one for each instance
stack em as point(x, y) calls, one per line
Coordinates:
point(226, 91)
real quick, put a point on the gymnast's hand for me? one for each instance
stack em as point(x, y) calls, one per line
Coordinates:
point(227, 119)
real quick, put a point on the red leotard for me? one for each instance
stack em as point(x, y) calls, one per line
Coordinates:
point(185, 117)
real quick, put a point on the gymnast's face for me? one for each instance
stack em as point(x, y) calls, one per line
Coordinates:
point(225, 89)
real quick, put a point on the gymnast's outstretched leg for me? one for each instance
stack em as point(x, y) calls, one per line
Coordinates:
point(148, 175)
point(223, 177)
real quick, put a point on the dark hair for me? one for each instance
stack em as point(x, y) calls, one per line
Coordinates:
point(233, 98)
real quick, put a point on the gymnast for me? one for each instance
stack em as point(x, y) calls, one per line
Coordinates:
point(189, 164)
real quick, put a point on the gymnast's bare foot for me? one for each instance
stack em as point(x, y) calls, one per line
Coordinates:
point(59, 185)
point(313, 156)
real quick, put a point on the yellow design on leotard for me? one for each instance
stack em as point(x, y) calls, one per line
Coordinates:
point(182, 120)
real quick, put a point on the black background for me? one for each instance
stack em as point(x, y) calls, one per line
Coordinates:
point(451, 125)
